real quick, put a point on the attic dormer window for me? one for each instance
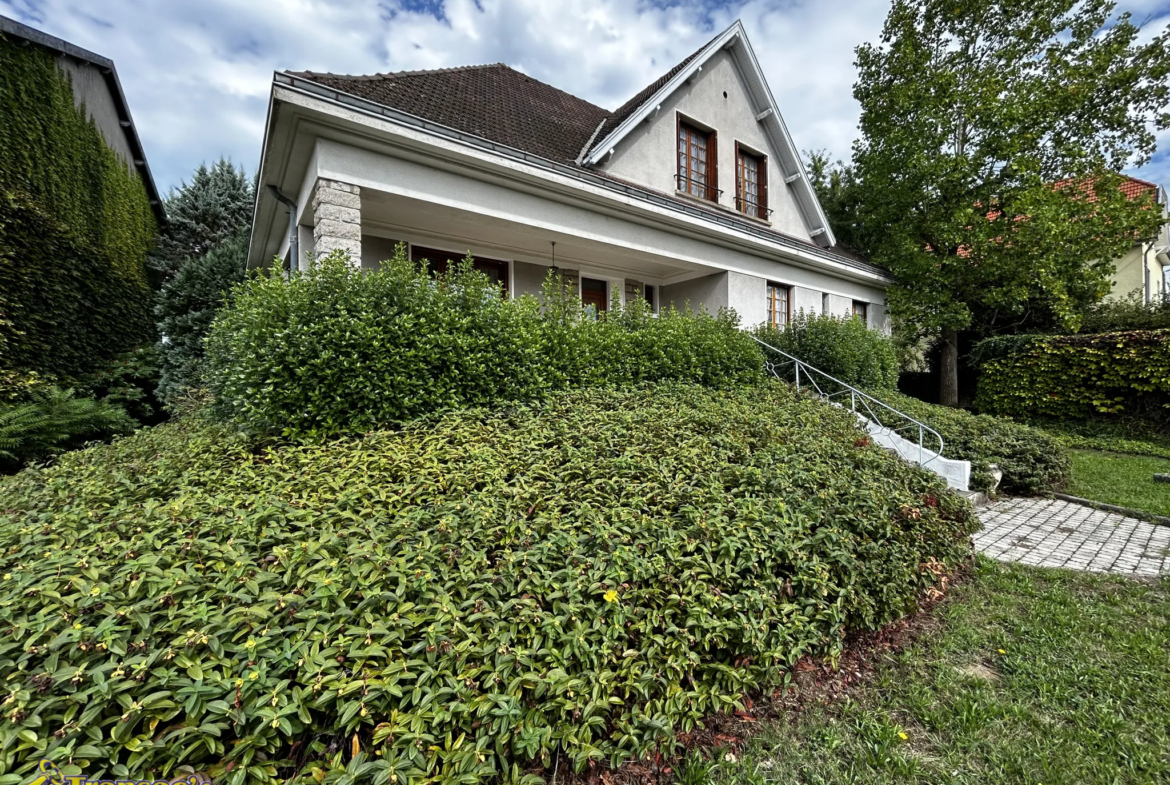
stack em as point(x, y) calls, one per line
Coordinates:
point(751, 183)
point(696, 162)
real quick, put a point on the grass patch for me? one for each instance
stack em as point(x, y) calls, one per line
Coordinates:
point(1037, 676)
point(1125, 480)
point(1115, 434)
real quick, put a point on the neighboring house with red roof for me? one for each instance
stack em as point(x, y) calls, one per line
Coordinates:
point(1142, 271)
point(691, 192)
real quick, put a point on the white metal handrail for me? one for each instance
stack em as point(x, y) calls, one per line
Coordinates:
point(896, 422)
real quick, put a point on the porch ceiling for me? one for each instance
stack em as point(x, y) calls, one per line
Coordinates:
point(401, 217)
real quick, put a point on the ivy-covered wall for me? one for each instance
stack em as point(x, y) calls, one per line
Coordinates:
point(75, 226)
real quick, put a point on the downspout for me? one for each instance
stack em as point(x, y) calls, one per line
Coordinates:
point(294, 251)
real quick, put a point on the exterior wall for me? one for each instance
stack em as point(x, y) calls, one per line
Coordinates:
point(495, 202)
point(808, 300)
point(376, 250)
point(840, 306)
point(527, 278)
point(747, 295)
point(90, 88)
point(1132, 269)
point(708, 292)
point(648, 155)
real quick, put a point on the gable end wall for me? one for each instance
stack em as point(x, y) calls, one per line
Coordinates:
point(647, 155)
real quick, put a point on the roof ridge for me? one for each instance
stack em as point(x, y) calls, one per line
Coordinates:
point(396, 74)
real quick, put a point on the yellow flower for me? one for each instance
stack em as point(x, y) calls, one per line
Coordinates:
point(7, 576)
point(253, 675)
point(610, 596)
point(902, 735)
point(77, 625)
point(95, 591)
point(1001, 651)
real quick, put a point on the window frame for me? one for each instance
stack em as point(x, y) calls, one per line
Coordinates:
point(863, 313)
point(710, 188)
point(770, 301)
point(417, 253)
point(758, 209)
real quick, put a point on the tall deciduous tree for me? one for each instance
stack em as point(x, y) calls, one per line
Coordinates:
point(990, 129)
point(215, 206)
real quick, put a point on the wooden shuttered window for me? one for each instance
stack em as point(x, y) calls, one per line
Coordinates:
point(698, 157)
point(751, 183)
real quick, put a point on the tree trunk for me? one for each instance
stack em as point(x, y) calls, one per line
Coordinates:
point(948, 372)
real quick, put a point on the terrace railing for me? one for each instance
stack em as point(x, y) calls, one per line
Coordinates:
point(888, 420)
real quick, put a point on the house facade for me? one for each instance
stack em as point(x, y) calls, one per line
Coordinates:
point(1141, 272)
point(690, 194)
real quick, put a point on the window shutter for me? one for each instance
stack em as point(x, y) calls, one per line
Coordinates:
point(738, 178)
point(762, 187)
point(712, 168)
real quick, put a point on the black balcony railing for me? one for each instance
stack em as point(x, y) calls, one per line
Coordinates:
point(748, 207)
point(699, 188)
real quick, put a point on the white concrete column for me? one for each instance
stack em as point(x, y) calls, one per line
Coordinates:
point(337, 219)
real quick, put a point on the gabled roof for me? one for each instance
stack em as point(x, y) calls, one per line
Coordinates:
point(734, 40)
point(10, 27)
point(502, 105)
point(495, 102)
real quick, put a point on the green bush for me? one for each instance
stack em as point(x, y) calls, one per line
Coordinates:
point(53, 421)
point(129, 381)
point(1076, 376)
point(842, 347)
point(1031, 460)
point(75, 226)
point(185, 309)
point(341, 350)
point(457, 601)
point(1111, 316)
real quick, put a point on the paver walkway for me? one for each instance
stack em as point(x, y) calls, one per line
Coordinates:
point(1054, 533)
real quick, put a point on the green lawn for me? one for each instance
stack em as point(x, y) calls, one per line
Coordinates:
point(1121, 479)
point(1036, 676)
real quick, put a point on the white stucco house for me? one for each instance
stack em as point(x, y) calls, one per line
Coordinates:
point(691, 192)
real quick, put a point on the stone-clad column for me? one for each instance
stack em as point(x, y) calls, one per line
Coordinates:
point(337, 220)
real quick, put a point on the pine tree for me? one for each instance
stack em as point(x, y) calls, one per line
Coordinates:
point(213, 207)
point(187, 305)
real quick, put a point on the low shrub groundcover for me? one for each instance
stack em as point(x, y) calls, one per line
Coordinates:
point(339, 349)
point(467, 599)
point(1031, 460)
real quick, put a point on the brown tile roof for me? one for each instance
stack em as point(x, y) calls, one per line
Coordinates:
point(494, 102)
point(619, 115)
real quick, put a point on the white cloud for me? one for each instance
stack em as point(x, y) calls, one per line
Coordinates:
point(197, 72)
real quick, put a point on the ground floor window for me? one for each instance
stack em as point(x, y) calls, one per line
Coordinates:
point(861, 311)
point(648, 290)
point(438, 262)
point(779, 304)
point(594, 294)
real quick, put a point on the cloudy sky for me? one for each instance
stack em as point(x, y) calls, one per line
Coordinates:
point(197, 72)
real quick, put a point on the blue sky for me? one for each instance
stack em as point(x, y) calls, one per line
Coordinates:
point(197, 72)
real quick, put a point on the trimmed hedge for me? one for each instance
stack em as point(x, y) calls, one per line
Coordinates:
point(341, 350)
point(1075, 376)
point(458, 601)
point(842, 347)
point(75, 226)
point(1031, 460)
